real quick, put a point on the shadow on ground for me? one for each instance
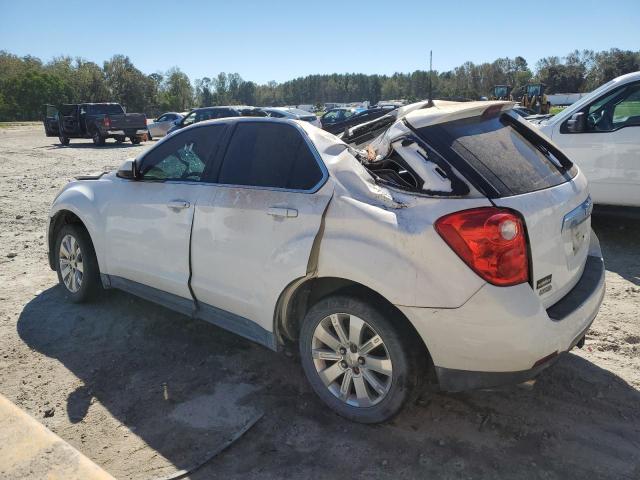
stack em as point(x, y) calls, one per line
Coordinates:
point(620, 240)
point(107, 145)
point(182, 386)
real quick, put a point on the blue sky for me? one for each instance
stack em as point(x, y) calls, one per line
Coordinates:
point(279, 40)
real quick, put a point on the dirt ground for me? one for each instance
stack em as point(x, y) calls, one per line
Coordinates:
point(144, 391)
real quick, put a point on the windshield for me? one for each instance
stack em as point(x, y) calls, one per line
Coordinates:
point(534, 90)
point(114, 109)
point(501, 153)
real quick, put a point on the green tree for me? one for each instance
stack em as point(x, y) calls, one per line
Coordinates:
point(176, 92)
point(128, 85)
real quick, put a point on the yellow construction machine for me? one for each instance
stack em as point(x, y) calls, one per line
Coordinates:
point(535, 98)
point(501, 92)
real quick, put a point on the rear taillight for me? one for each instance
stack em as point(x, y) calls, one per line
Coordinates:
point(107, 122)
point(491, 241)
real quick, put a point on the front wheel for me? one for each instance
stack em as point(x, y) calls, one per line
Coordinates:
point(356, 360)
point(64, 140)
point(76, 263)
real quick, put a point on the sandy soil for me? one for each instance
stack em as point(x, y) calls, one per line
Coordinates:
point(144, 392)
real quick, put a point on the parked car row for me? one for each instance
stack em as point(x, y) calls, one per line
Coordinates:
point(337, 120)
point(334, 121)
point(108, 120)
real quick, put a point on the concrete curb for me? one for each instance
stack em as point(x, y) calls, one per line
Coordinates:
point(30, 450)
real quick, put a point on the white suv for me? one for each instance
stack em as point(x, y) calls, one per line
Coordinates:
point(462, 245)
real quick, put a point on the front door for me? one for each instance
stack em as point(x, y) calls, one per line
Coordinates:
point(50, 121)
point(69, 121)
point(253, 233)
point(149, 220)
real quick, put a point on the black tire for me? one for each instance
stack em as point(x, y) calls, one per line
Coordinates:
point(149, 137)
point(64, 140)
point(401, 348)
point(135, 140)
point(90, 284)
point(120, 139)
point(98, 140)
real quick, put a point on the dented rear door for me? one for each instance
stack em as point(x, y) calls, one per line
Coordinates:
point(254, 231)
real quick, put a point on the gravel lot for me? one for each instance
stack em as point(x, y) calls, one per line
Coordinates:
point(144, 391)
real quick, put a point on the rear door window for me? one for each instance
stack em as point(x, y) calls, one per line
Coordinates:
point(274, 155)
point(494, 148)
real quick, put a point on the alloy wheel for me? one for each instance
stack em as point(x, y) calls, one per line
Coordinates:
point(71, 263)
point(351, 359)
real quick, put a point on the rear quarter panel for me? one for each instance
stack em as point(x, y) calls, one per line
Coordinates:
point(392, 246)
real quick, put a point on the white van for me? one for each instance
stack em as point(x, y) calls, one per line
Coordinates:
point(601, 133)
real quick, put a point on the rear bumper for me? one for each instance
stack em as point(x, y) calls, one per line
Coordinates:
point(503, 335)
point(123, 132)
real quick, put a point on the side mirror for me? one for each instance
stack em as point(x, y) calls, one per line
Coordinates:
point(128, 170)
point(577, 123)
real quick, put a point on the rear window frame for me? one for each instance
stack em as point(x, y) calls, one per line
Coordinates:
point(480, 175)
point(93, 109)
point(222, 156)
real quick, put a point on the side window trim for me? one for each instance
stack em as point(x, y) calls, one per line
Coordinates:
point(222, 153)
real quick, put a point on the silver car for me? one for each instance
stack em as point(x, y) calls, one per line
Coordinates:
point(161, 125)
point(293, 113)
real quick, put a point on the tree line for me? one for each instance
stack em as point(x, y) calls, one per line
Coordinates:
point(27, 83)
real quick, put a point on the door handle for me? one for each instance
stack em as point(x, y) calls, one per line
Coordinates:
point(282, 212)
point(178, 204)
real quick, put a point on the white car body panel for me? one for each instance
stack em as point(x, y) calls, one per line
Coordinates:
point(544, 212)
point(244, 253)
point(371, 229)
point(149, 243)
point(501, 329)
point(610, 160)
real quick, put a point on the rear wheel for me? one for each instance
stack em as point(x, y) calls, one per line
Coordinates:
point(76, 263)
point(356, 360)
point(64, 140)
point(98, 139)
point(135, 140)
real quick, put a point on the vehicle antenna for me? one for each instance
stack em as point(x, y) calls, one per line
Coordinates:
point(430, 102)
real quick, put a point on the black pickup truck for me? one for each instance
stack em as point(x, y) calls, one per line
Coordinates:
point(98, 121)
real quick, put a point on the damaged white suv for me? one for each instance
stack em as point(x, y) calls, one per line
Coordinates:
point(459, 244)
